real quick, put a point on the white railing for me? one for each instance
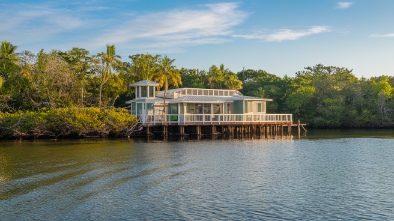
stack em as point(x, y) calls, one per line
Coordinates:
point(183, 119)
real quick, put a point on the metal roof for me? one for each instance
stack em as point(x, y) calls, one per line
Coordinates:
point(171, 91)
point(213, 99)
point(146, 100)
point(200, 99)
point(145, 83)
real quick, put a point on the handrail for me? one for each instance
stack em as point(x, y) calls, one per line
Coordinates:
point(216, 118)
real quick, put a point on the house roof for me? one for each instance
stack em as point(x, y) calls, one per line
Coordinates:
point(145, 83)
point(200, 92)
point(146, 100)
point(213, 99)
point(200, 99)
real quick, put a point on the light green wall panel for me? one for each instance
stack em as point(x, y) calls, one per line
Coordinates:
point(238, 107)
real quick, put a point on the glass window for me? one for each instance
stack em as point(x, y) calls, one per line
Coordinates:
point(139, 108)
point(151, 91)
point(216, 109)
point(143, 91)
point(173, 109)
point(259, 107)
point(198, 108)
point(207, 108)
point(190, 108)
point(137, 92)
point(133, 109)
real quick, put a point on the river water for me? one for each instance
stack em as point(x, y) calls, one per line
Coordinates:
point(317, 177)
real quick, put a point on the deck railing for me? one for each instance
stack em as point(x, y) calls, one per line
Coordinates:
point(184, 119)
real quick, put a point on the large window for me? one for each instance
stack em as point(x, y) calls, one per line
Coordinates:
point(196, 108)
point(173, 109)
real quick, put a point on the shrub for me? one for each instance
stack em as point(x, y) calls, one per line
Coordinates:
point(67, 122)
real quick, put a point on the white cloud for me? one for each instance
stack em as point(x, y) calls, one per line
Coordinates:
point(34, 22)
point(286, 34)
point(344, 5)
point(180, 27)
point(391, 35)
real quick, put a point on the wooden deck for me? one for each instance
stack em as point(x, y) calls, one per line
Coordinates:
point(230, 124)
point(216, 119)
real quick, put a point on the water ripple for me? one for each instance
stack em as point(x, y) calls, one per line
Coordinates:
point(339, 179)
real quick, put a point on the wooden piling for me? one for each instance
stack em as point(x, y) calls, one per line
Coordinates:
point(182, 130)
point(147, 131)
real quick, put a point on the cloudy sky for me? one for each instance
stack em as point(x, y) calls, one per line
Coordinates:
point(279, 36)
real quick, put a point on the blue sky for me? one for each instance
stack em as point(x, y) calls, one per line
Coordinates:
point(279, 36)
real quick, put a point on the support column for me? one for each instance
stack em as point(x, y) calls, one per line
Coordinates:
point(182, 130)
point(147, 131)
point(165, 131)
point(281, 130)
point(198, 130)
point(213, 129)
point(266, 131)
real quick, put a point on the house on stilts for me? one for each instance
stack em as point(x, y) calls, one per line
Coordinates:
point(203, 111)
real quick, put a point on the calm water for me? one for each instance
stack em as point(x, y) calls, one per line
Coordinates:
point(341, 178)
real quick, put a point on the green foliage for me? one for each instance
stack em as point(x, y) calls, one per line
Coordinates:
point(193, 78)
point(67, 122)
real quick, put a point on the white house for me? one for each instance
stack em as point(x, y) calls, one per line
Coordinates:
point(196, 106)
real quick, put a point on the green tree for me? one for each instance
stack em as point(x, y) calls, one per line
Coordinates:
point(215, 77)
point(9, 67)
point(106, 64)
point(144, 66)
point(8, 59)
point(193, 78)
point(320, 96)
point(167, 74)
point(52, 82)
point(79, 60)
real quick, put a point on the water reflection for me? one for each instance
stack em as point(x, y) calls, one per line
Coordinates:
point(5, 174)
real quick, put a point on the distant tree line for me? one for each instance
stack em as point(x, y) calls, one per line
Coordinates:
point(320, 96)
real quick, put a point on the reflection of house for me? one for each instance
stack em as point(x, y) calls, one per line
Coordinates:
point(196, 106)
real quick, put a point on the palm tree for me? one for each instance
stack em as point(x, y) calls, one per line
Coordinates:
point(8, 58)
point(107, 63)
point(232, 82)
point(166, 72)
point(215, 77)
point(144, 65)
